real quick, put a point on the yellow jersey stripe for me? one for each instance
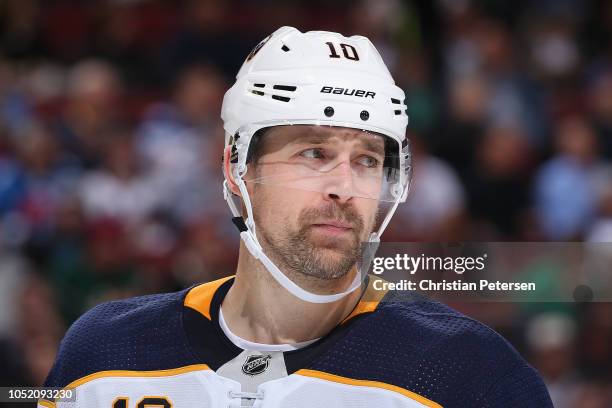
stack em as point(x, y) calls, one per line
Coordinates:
point(200, 297)
point(365, 306)
point(367, 383)
point(128, 373)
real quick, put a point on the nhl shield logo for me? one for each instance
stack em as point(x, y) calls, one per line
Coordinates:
point(256, 364)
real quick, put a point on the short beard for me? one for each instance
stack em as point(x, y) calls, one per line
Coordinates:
point(296, 252)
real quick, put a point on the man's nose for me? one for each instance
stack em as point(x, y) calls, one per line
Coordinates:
point(339, 186)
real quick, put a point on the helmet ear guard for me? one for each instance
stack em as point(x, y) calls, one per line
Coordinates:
point(314, 78)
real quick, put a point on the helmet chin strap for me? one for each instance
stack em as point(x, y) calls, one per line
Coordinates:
point(247, 234)
point(287, 283)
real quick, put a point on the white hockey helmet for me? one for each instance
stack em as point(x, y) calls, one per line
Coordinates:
point(314, 78)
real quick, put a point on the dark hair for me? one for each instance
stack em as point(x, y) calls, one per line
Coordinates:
point(256, 146)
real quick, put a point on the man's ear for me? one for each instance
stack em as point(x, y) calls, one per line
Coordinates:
point(226, 171)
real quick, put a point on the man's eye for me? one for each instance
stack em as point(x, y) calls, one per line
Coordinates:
point(368, 161)
point(312, 154)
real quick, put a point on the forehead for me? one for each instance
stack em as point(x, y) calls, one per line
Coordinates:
point(288, 136)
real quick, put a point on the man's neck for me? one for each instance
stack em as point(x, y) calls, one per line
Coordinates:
point(258, 309)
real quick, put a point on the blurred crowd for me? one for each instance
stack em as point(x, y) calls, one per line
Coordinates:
point(111, 142)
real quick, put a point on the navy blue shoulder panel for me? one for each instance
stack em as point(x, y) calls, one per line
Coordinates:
point(428, 348)
point(142, 333)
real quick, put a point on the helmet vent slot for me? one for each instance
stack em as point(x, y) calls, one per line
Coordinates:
point(281, 98)
point(397, 112)
point(285, 48)
point(257, 90)
point(396, 101)
point(285, 87)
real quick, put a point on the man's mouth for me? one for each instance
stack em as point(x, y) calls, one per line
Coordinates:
point(333, 226)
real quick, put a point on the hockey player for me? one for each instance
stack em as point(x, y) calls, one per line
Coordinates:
point(316, 162)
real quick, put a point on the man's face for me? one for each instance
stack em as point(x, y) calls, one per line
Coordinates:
point(314, 191)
